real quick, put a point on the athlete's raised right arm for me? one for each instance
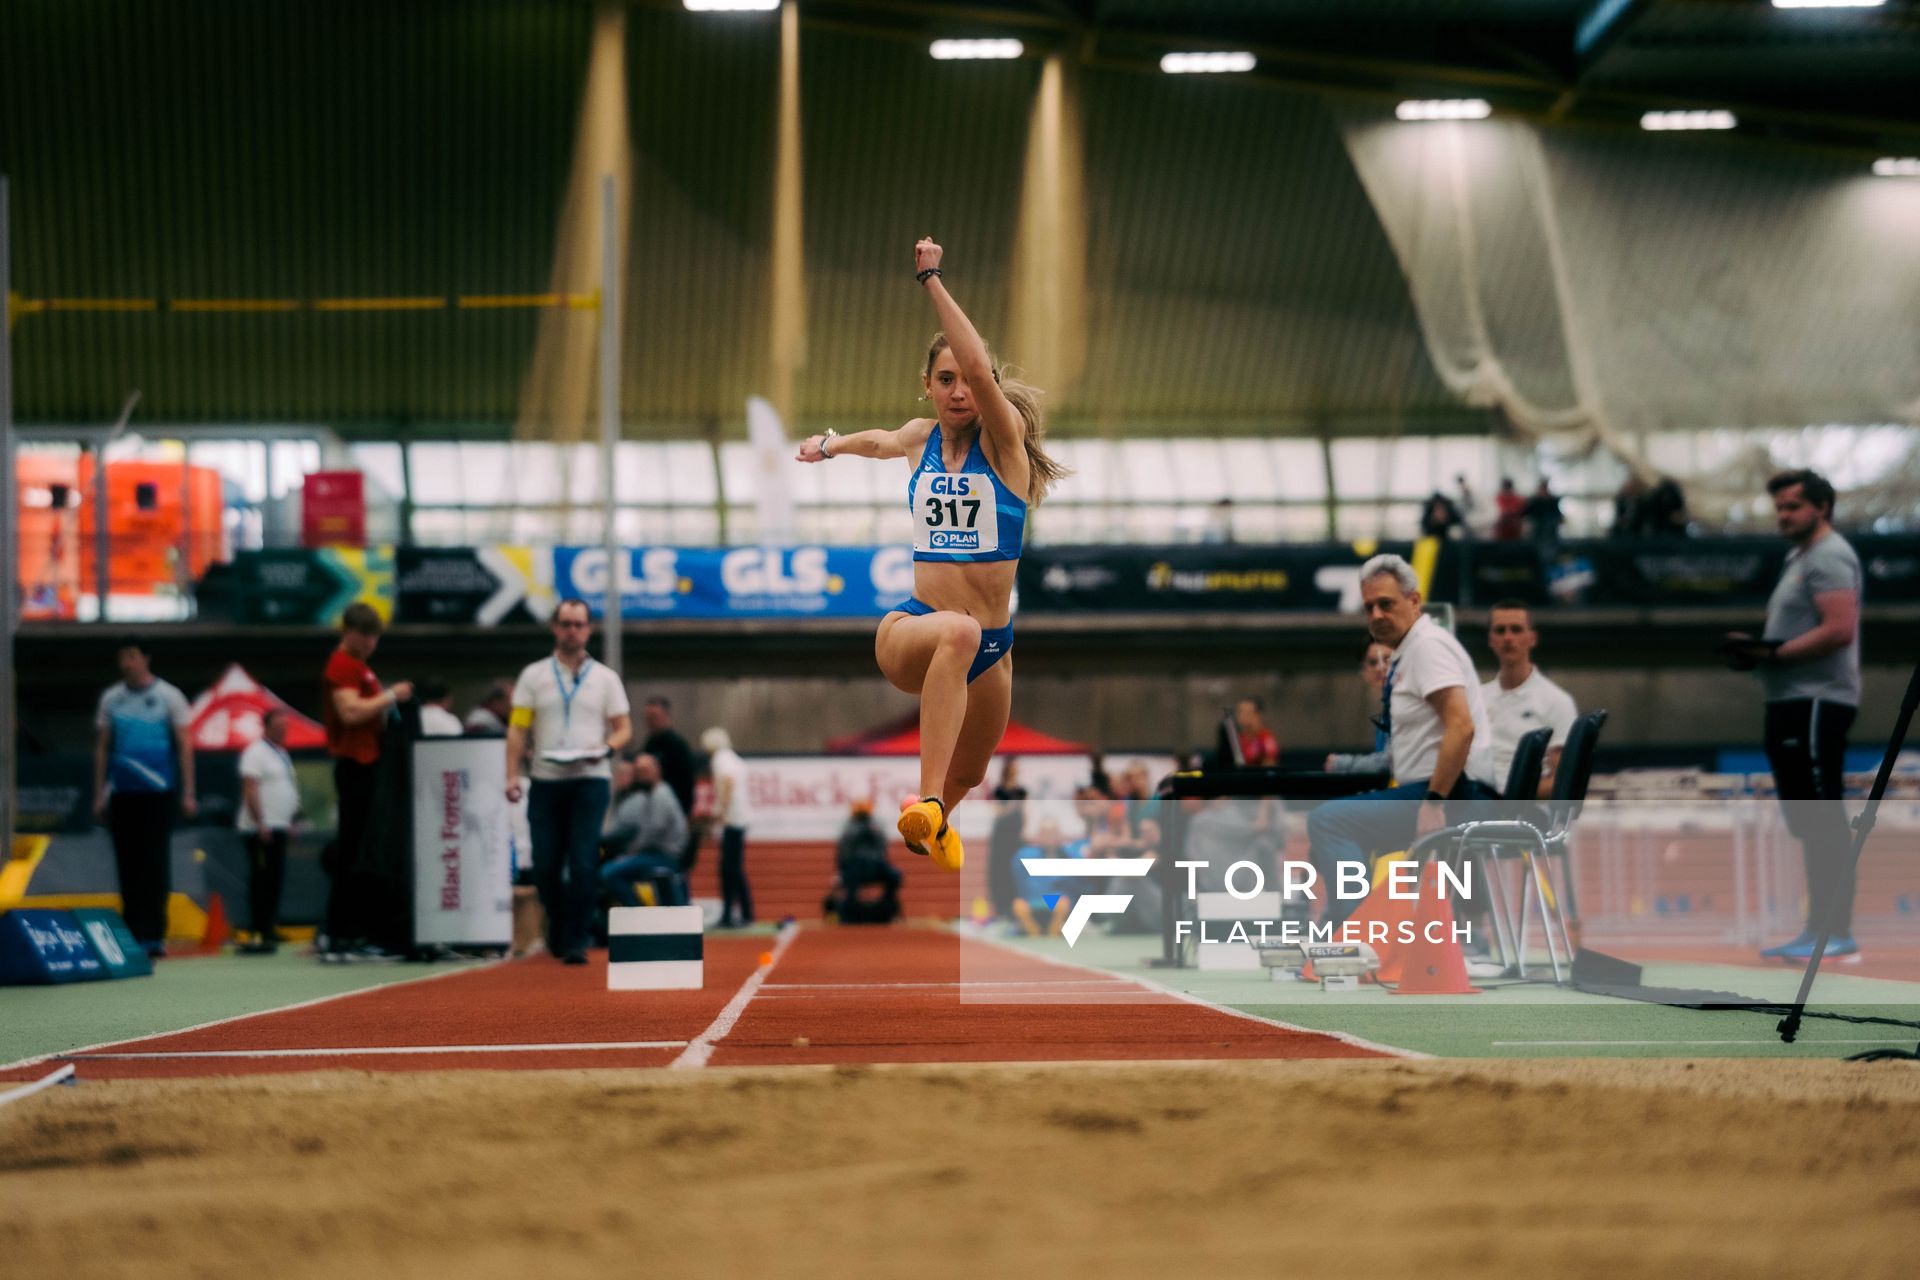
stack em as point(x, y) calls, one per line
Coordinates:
point(903, 443)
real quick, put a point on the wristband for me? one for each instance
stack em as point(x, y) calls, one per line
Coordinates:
point(1434, 797)
point(826, 438)
point(921, 276)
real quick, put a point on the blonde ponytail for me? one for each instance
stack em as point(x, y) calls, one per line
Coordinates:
point(1042, 471)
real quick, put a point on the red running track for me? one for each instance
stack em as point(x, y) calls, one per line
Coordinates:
point(845, 995)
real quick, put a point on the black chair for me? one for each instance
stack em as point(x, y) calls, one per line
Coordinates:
point(1522, 785)
point(1529, 760)
point(1570, 782)
point(1520, 834)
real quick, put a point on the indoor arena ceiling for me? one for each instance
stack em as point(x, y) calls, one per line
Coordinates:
point(1842, 75)
point(280, 154)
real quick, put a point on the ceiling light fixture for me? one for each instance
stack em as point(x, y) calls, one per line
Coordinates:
point(1680, 121)
point(967, 50)
point(1444, 109)
point(1180, 64)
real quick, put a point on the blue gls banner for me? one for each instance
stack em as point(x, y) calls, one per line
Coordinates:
point(741, 582)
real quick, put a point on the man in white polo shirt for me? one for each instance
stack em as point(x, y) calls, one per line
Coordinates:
point(1521, 699)
point(269, 803)
point(578, 712)
point(1436, 726)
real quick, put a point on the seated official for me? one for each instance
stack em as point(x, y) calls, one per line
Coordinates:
point(1037, 916)
point(1521, 699)
point(860, 859)
point(1436, 725)
point(1374, 660)
point(648, 835)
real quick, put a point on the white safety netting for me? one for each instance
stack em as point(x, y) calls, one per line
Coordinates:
point(1600, 288)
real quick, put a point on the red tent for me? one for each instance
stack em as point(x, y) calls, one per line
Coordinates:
point(901, 737)
point(226, 717)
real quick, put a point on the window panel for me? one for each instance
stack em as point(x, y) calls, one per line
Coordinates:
point(1391, 520)
point(436, 473)
point(293, 462)
point(1147, 471)
point(1300, 467)
point(1091, 462)
point(1467, 456)
point(855, 481)
point(1249, 471)
point(1360, 468)
point(694, 528)
point(680, 472)
point(742, 476)
point(381, 464)
point(1199, 470)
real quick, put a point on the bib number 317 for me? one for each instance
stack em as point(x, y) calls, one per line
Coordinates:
point(957, 513)
point(953, 513)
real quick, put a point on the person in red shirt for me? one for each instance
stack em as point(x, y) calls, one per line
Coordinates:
point(1509, 524)
point(355, 713)
point(1258, 746)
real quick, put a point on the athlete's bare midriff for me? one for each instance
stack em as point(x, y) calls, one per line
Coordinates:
point(982, 590)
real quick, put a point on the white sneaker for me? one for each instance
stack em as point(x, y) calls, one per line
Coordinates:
point(1486, 969)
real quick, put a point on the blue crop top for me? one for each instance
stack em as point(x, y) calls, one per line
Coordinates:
point(963, 516)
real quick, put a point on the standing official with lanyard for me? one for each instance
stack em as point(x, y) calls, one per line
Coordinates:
point(579, 714)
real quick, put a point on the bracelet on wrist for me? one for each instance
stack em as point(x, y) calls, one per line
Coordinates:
point(827, 437)
point(921, 277)
point(1434, 797)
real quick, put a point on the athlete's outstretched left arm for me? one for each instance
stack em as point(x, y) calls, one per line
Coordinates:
point(906, 442)
point(1000, 423)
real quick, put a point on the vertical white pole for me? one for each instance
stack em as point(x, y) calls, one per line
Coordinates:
point(102, 515)
point(102, 533)
point(610, 411)
point(9, 540)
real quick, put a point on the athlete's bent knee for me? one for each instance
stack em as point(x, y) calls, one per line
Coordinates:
point(959, 632)
point(965, 780)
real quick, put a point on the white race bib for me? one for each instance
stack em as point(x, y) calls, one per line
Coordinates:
point(955, 512)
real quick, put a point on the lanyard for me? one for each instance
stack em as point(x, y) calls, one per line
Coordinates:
point(566, 694)
point(1383, 723)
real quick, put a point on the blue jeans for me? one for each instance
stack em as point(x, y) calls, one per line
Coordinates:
point(618, 877)
point(565, 817)
point(1349, 829)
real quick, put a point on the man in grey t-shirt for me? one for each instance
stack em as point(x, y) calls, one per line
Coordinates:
point(1809, 665)
point(649, 833)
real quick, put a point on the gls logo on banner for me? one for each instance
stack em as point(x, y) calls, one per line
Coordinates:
point(653, 571)
point(1088, 905)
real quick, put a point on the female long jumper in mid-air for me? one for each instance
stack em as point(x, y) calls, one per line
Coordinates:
point(978, 466)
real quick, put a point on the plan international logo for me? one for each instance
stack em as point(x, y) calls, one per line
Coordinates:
point(1297, 880)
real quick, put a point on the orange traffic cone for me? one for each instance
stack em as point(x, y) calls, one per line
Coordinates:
point(1393, 912)
point(215, 935)
point(1430, 968)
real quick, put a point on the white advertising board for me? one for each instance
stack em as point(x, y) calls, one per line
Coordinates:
point(462, 855)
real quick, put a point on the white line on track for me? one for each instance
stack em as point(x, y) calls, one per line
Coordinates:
point(44, 1082)
point(257, 1013)
point(945, 985)
point(1585, 1044)
point(701, 1049)
point(603, 1046)
point(1343, 1037)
